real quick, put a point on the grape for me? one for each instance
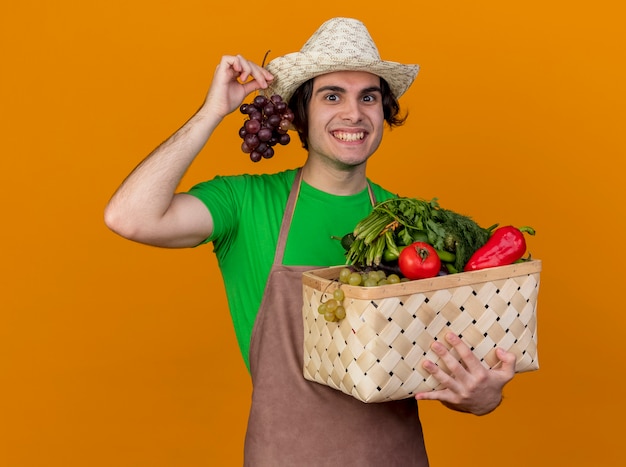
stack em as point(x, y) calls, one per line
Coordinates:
point(284, 125)
point(274, 120)
point(265, 134)
point(288, 114)
point(339, 295)
point(260, 101)
point(333, 309)
point(269, 109)
point(330, 316)
point(252, 140)
point(268, 121)
point(377, 275)
point(252, 126)
point(354, 279)
point(393, 278)
point(370, 282)
point(344, 274)
point(268, 153)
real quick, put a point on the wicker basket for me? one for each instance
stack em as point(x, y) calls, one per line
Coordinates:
point(375, 353)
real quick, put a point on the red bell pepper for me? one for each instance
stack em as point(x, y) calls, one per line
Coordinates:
point(505, 246)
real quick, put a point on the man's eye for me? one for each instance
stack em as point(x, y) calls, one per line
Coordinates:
point(369, 98)
point(332, 97)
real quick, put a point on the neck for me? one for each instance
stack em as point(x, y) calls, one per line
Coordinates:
point(334, 180)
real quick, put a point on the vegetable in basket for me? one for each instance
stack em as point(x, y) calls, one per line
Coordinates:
point(505, 246)
point(419, 261)
point(399, 222)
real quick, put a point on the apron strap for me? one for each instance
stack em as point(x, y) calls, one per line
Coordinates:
point(290, 209)
point(287, 216)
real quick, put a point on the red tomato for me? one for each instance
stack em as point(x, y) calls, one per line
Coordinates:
point(419, 261)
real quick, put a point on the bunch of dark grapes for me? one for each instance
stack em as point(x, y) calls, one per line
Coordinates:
point(268, 120)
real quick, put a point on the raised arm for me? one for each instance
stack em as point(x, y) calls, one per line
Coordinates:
point(146, 208)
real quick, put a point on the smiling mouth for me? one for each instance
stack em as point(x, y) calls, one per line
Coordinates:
point(345, 136)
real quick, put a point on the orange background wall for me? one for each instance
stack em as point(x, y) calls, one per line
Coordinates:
point(118, 354)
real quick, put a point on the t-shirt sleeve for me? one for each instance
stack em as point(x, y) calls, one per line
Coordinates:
point(220, 196)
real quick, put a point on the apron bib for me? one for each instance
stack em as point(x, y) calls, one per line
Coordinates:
point(298, 423)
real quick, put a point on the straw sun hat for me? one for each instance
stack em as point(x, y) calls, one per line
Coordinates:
point(340, 44)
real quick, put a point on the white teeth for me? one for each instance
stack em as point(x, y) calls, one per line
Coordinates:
point(349, 136)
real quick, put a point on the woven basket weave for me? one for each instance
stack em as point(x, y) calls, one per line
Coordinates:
point(375, 353)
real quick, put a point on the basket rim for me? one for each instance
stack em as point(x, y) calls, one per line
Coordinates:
point(324, 279)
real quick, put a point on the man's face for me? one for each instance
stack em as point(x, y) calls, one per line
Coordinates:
point(345, 118)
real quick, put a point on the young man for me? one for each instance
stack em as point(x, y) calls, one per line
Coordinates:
point(276, 226)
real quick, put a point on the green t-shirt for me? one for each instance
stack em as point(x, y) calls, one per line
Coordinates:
point(247, 211)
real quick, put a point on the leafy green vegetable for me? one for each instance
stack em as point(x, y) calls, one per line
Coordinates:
point(402, 221)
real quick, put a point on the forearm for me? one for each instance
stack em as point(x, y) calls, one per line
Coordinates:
point(144, 197)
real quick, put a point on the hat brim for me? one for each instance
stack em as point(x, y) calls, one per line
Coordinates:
point(292, 70)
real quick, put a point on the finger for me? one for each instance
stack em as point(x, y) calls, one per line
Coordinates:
point(261, 77)
point(455, 368)
point(508, 360)
point(471, 361)
point(255, 84)
point(447, 384)
point(235, 66)
point(445, 380)
point(250, 70)
point(435, 395)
